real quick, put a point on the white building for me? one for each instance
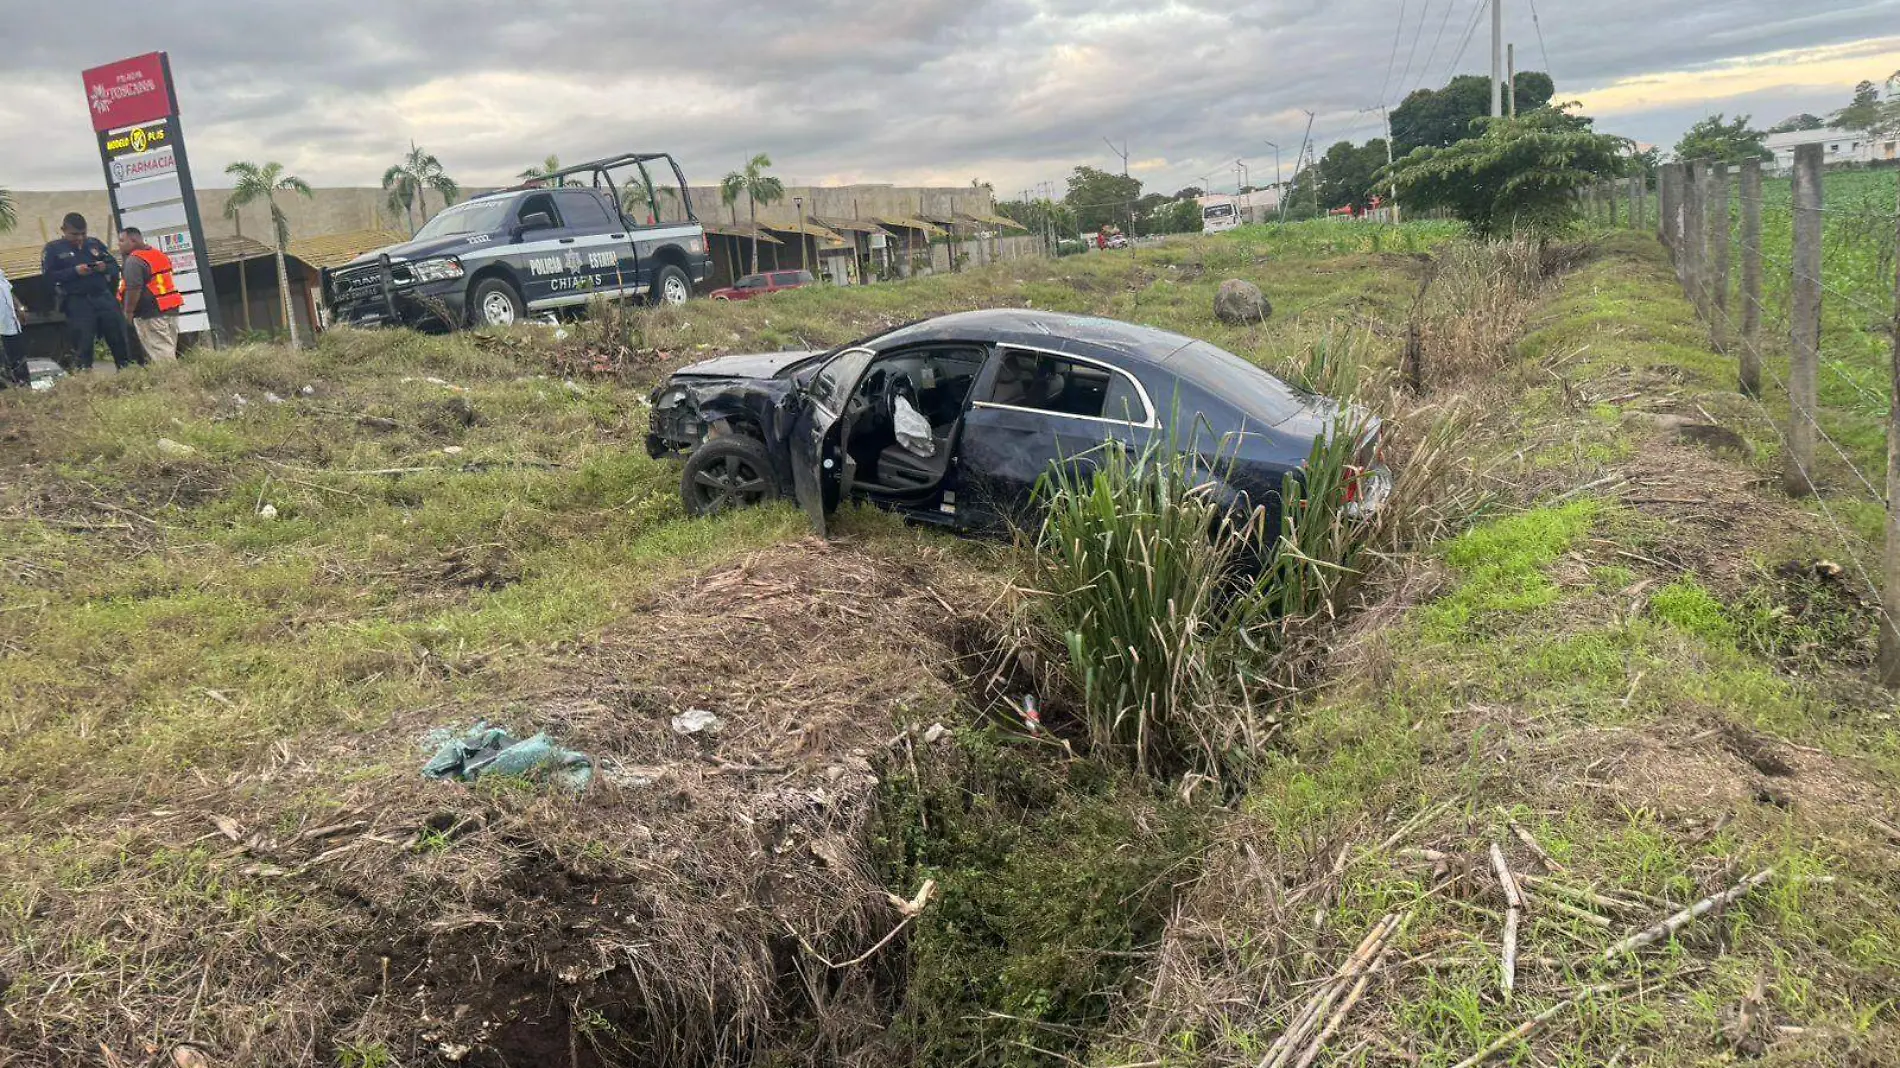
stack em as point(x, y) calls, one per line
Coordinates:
point(1840, 146)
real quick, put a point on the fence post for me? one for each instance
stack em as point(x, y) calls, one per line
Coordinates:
point(1719, 237)
point(1890, 569)
point(1805, 333)
point(1665, 205)
point(1636, 201)
point(1751, 278)
point(1693, 238)
point(1609, 201)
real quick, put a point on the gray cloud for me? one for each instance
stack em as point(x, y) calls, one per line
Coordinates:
point(1012, 91)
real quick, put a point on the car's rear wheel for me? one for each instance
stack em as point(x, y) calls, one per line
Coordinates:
point(727, 473)
point(672, 287)
point(495, 303)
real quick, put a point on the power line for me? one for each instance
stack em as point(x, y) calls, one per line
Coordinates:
point(1425, 71)
point(1412, 53)
point(1540, 39)
point(1398, 30)
point(1477, 16)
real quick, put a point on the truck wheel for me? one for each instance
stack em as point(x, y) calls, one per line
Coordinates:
point(671, 286)
point(727, 473)
point(495, 303)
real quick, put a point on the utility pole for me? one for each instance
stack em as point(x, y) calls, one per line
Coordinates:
point(1279, 194)
point(1510, 77)
point(1297, 161)
point(1497, 59)
point(1387, 116)
point(1123, 153)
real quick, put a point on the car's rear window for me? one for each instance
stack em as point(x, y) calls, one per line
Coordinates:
point(1249, 388)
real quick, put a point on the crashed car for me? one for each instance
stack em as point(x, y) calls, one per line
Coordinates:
point(952, 421)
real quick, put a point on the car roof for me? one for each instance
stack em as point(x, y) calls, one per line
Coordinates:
point(1080, 334)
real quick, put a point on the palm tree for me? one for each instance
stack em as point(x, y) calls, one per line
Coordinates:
point(255, 183)
point(7, 215)
point(547, 166)
point(643, 196)
point(759, 188)
point(409, 183)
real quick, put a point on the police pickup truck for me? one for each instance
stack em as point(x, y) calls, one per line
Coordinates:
point(563, 240)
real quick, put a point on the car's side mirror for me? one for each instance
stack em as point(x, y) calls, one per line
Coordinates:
point(534, 220)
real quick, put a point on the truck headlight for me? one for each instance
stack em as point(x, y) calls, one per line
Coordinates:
point(439, 270)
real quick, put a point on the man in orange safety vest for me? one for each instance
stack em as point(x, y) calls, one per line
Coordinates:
point(150, 297)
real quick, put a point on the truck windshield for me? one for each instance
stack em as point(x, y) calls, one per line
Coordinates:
point(473, 217)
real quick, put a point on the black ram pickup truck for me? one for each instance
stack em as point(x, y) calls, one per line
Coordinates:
point(557, 243)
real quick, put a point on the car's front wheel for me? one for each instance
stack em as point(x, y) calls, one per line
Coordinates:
point(727, 473)
point(495, 303)
point(672, 287)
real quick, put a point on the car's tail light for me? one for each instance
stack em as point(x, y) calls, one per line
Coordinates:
point(1353, 475)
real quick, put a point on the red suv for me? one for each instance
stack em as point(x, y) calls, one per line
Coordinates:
point(753, 285)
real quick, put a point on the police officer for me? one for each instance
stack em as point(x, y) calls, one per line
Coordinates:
point(86, 277)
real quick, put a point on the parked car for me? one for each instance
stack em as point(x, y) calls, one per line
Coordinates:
point(1005, 395)
point(753, 285)
point(556, 243)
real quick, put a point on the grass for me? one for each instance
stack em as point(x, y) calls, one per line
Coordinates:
point(1585, 666)
point(1614, 674)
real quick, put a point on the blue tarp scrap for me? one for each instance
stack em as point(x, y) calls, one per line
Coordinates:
point(492, 751)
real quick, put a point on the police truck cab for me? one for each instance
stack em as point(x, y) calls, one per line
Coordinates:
point(557, 243)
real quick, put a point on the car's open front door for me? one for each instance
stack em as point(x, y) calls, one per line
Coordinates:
point(813, 444)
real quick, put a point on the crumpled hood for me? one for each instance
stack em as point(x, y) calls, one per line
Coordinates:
point(418, 250)
point(762, 365)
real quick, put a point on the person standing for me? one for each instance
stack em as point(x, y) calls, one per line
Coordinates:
point(149, 297)
point(13, 370)
point(84, 275)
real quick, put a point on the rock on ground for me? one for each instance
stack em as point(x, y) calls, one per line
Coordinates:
point(1241, 302)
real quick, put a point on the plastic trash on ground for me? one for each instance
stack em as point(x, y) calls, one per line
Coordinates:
point(492, 751)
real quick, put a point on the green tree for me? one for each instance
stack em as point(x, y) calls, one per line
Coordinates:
point(541, 170)
point(1190, 192)
point(407, 185)
point(9, 217)
point(1518, 174)
point(642, 195)
point(1435, 118)
point(759, 188)
point(1348, 174)
point(1794, 123)
point(255, 183)
point(1725, 142)
point(1100, 199)
point(1863, 115)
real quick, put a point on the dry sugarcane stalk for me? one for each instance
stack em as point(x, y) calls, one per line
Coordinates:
point(1322, 1000)
point(1530, 1026)
point(1682, 919)
point(1515, 900)
point(1430, 856)
point(1339, 1014)
point(1530, 843)
point(1601, 901)
point(1591, 918)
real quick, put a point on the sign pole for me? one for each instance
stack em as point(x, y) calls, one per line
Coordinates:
point(193, 220)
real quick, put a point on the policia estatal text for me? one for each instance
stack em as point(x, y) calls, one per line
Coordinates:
point(86, 277)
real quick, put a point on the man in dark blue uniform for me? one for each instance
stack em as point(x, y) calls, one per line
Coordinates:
point(86, 277)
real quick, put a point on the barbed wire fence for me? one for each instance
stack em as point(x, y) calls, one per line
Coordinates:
point(1817, 293)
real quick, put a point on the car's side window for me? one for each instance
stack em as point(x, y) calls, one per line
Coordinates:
point(539, 202)
point(788, 278)
point(583, 210)
point(1042, 382)
point(832, 385)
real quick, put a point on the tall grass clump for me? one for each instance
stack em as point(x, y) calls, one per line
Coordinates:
point(1171, 595)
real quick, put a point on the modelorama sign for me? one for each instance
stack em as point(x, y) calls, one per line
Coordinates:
point(148, 176)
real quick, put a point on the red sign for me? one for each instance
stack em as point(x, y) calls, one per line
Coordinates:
point(129, 92)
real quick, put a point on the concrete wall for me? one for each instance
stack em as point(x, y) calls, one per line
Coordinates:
point(335, 211)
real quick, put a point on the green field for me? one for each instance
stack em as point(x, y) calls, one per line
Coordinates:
point(1593, 631)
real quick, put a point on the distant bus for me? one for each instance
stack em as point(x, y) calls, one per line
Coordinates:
point(1218, 217)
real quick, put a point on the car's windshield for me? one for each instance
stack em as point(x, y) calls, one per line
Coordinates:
point(474, 217)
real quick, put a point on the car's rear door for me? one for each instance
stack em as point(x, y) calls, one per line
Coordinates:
point(813, 447)
point(1035, 410)
point(595, 245)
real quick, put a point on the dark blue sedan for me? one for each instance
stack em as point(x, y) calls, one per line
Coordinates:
point(953, 420)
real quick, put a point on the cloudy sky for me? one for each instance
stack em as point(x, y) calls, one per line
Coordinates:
point(1013, 92)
